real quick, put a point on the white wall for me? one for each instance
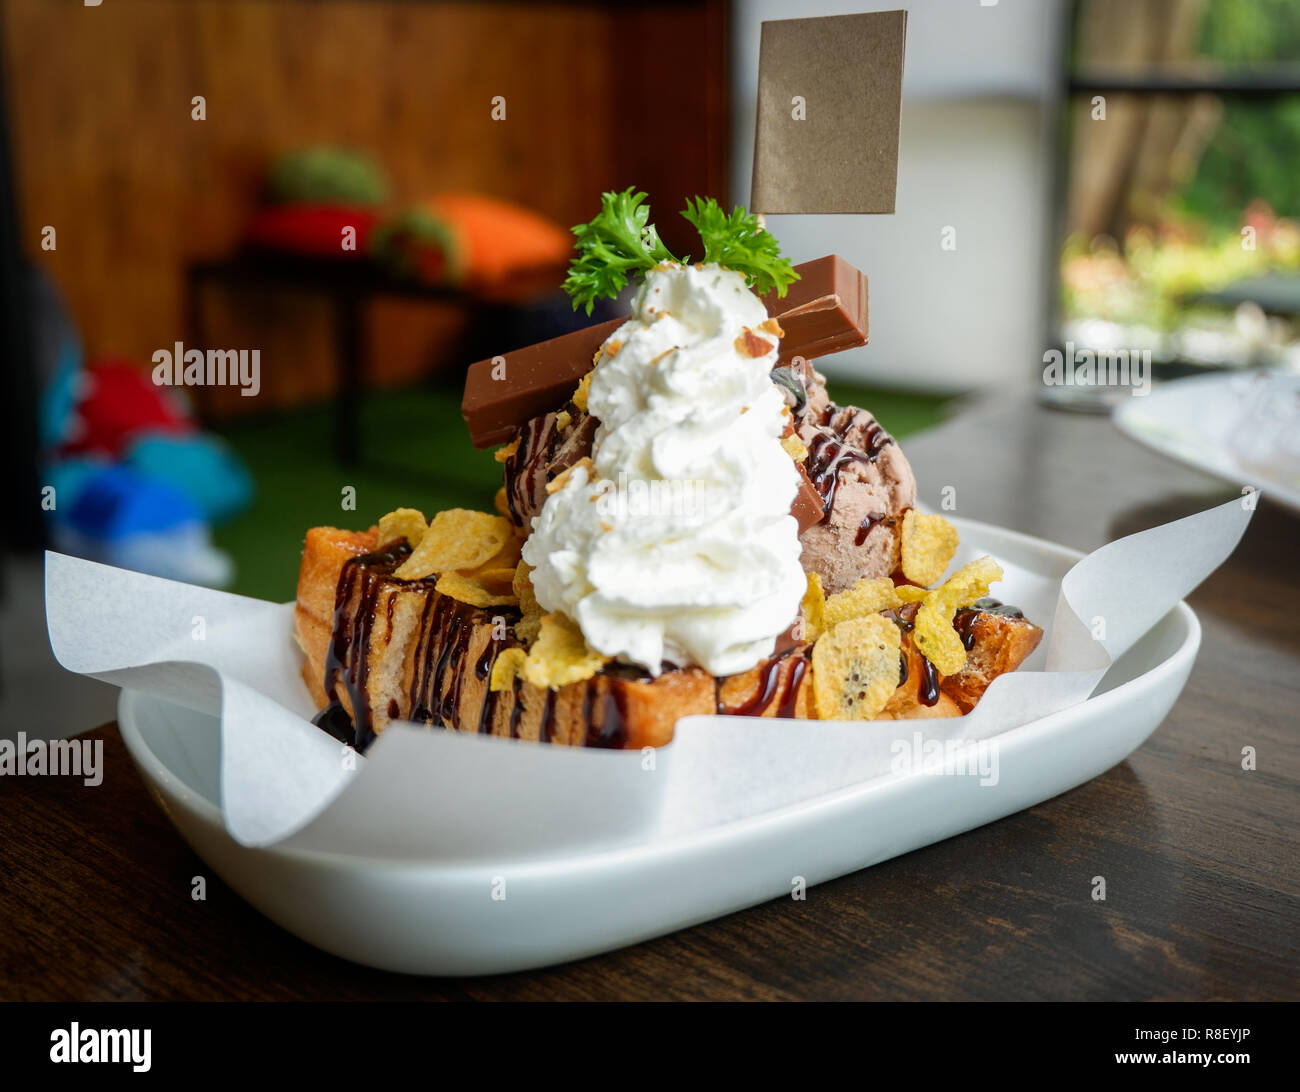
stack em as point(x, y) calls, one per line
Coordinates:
point(976, 80)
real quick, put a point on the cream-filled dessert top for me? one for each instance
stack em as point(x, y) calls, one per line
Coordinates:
point(676, 543)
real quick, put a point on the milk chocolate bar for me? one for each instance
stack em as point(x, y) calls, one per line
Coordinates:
point(823, 312)
point(503, 392)
point(807, 506)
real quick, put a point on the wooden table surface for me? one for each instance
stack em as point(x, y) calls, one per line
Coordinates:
point(1199, 856)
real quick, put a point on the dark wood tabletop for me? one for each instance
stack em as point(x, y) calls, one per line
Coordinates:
point(1199, 855)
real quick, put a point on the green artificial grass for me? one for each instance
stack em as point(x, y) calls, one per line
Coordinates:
point(901, 412)
point(415, 453)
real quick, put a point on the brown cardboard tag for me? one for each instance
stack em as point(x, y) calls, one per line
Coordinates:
point(829, 101)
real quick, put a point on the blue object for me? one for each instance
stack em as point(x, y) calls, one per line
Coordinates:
point(69, 478)
point(118, 502)
point(202, 467)
point(61, 394)
point(123, 518)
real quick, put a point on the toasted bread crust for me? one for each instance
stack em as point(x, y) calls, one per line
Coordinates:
point(428, 659)
point(999, 644)
point(324, 553)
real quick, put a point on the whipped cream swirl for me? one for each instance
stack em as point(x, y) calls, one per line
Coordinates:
point(680, 547)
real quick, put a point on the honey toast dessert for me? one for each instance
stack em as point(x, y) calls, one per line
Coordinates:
point(686, 525)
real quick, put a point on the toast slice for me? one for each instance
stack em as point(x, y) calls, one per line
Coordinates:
point(385, 649)
point(996, 640)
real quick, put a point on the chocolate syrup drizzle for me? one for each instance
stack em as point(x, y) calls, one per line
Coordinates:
point(966, 618)
point(544, 451)
point(776, 685)
point(446, 630)
point(522, 465)
point(361, 575)
point(612, 730)
point(964, 624)
point(769, 676)
point(868, 524)
point(927, 691)
point(791, 385)
point(830, 453)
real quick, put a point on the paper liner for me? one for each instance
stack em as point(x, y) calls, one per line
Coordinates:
point(424, 793)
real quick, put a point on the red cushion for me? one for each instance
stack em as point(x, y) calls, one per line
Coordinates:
point(314, 231)
point(117, 401)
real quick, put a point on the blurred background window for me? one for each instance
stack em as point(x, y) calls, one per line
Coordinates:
point(1181, 201)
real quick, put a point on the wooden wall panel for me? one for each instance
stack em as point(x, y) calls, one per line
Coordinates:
point(106, 151)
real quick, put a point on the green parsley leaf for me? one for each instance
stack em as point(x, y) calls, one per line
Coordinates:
point(737, 241)
point(618, 243)
point(621, 243)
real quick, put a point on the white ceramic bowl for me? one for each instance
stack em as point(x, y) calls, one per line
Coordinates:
point(440, 918)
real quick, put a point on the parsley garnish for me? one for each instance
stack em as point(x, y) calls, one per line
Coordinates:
point(621, 243)
point(615, 244)
point(737, 242)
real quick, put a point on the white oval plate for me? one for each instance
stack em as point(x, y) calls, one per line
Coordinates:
point(1193, 420)
point(441, 918)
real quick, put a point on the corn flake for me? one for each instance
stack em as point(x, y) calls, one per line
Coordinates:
point(934, 636)
point(509, 663)
point(523, 582)
point(562, 478)
point(505, 558)
point(814, 608)
point(499, 581)
point(466, 589)
point(501, 454)
point(795, 447)
point(407, 523)
point(457, 539)
point(500, 503)
point(929, 541)
point(560, 655)
point(856, 668)
point(580, 395)
point(865, 597)
point(528, 626)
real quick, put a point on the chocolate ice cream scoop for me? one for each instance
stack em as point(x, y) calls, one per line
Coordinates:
point(862, 476)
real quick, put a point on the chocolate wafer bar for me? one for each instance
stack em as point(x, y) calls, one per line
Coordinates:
point(825, 311)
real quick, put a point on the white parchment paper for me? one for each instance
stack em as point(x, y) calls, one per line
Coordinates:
point(425, 793)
